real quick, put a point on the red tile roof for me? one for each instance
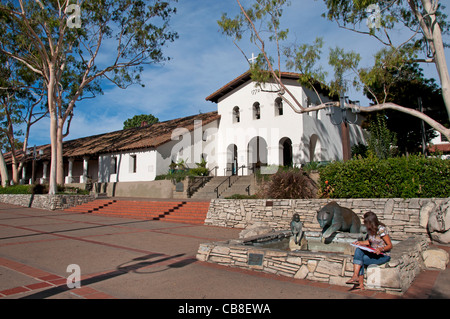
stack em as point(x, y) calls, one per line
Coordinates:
point(150, 136)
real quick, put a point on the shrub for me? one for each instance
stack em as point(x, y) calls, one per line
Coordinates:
point(241, 196)
point(180, 175)
point(360, 150)
point(400, 177)
point(199, 171)
point(39, 189)
point(16, 189)
point(288, 183)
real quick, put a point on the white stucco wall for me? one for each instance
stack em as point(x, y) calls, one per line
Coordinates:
point(189, 147)
point(153, 162)
point(145, 168)
point(309, 132)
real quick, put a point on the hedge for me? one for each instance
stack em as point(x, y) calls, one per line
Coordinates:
point(40, 189)
point(400, 177)
point(16, 189)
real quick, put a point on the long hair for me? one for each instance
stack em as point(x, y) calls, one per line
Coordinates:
point(371, 222)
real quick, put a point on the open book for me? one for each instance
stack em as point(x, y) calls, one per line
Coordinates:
point(369, 249)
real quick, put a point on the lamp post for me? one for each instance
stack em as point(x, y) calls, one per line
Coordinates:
point(342, 117)
point(35, 157)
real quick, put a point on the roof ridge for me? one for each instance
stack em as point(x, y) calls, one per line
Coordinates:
point(238, 81)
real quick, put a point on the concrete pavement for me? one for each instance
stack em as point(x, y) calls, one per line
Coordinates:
point(123, 258)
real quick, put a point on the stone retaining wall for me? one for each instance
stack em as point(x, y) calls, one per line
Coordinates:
point(404, 217)
point(332, 268)
point(49, 202)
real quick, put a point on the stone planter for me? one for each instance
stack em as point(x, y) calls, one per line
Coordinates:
point(49, 202)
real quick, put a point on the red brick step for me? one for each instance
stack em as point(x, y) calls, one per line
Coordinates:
point(171, 211)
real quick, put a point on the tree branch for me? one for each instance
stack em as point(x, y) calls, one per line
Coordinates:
point(275, 76)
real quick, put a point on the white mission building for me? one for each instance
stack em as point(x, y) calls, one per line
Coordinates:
point(251, 129)
point(257, 130)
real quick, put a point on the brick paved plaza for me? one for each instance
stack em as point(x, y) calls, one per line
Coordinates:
point(123, 258)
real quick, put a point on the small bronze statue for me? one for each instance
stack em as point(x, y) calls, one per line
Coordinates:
point(296, 228)
point(333, 218)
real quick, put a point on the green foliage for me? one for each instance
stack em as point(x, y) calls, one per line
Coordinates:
point(16, 189)
point(40, 189)
point(389, 66)
point(20, 93)
point(179, 171)
point(359, 150)
point(177, 176)
point(304, 60)
point(404, 85)
point(199, 171)
point(312, 166)
point(382, 142)
point(342, 63)
point(241, 196)
point(137, 120)
point(400, 177)
point(353, 14)
point(266, 19)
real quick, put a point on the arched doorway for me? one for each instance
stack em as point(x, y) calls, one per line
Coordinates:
point(232, 162)
point(286, 149)
point(257, 153)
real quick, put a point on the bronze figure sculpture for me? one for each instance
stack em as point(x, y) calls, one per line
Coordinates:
point(296, 228)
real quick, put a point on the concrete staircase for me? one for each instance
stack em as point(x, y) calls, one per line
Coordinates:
point(239, 185)
point(190, 212)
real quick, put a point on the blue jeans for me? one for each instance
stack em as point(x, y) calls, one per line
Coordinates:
point(365, 258)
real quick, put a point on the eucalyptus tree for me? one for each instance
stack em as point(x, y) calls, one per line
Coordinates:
point(423, 19)
point(21, 106)
point(74, 46)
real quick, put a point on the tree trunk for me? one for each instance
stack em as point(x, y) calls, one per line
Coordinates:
point(3, 170)
point(53, 161)
point(15, 171)
point(53, 130)
point(432, 31)
point(59, 147)
point(441, 65)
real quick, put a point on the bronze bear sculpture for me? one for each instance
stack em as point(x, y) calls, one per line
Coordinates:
point(333, 218)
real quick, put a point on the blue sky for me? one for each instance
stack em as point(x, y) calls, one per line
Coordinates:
point(202, 61)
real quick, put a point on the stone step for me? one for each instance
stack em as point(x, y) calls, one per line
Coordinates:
point(238, 187)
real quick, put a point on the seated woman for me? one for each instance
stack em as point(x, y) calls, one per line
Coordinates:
point(379, 240)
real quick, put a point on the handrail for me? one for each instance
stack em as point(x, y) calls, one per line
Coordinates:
point(229, 180)
point(215, 170)
point(200, 182)
point(229, 184)
point(217, 188)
